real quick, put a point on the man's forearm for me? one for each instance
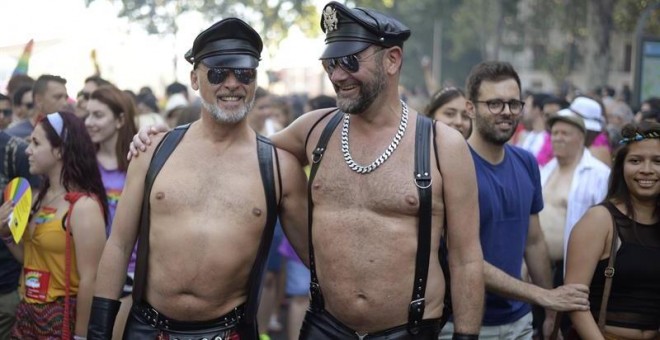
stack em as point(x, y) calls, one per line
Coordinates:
point(111, 274)
point(467, 293)
point(501, 283)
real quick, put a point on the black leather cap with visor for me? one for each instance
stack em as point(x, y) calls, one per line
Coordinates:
point(351, 30)
point(229, 43)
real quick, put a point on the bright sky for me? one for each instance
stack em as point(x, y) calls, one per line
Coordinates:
point(65, 32)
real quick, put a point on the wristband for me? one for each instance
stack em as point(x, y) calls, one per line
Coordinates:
point(78, 337)
point(102, 318)
point(461, 336)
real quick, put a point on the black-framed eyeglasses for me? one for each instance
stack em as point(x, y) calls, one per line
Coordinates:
point(349, 63)
point(218, 75)
point(6, 112)
point(496, 106)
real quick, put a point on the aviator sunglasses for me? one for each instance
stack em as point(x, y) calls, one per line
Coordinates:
point(349, 63)
point(218, 75)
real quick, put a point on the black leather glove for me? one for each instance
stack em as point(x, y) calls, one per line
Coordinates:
point(461, 336)
point(102, 318)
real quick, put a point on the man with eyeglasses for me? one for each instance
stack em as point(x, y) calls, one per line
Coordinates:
point(377, 227)
point(22, 104)
point(91, 84)
point(212, 193)
point(510, 198)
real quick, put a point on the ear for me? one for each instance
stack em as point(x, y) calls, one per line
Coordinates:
point(121, 120)
point(57, 152)
point(194, 80)
point(470, 108)
point(392, 59)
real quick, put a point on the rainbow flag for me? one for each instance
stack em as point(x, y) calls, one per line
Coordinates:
point(45, 214)
point(24, 60)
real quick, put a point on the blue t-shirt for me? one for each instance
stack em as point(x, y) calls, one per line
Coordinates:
point(509, 192)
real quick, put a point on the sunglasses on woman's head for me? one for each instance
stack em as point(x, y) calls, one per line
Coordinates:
point(349, 63)
point(218, 75)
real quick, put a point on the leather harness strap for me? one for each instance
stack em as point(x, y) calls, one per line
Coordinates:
point(422, 179)
point(265, 151)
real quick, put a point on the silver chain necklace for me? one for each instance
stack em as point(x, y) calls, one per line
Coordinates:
point(382, 158)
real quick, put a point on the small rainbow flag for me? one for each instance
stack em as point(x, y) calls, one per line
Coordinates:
point(24, 60)
point(113, 196)
point(45, 214)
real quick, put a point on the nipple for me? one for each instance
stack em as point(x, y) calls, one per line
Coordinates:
point(256, 212)
point(160, 195)
point(411, 200)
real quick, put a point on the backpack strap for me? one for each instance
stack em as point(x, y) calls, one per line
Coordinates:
point(162, 153)
point(317, 156)
point(265, 152)
point(423, 181)
point(443, 252)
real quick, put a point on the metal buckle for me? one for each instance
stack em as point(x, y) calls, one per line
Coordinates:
point(317, 155)
point(419, 178)
point(609, 272)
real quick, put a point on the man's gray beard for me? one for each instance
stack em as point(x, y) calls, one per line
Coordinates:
point(222, 116)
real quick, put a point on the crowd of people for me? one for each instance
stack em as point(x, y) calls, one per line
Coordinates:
point(526, 215)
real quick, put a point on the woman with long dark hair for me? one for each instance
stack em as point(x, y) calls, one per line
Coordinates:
point(615, 247)
point(62, 245)
point(448, 106)
point(111, 126)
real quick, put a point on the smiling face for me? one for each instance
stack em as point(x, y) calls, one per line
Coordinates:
point(101, 122)
point(42, 157)
point(641, 169)
point(495, 128)
point(357, 91)
point(455, 115)
point(227, 102)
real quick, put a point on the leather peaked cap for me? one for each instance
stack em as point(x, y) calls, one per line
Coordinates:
point(229, 43)
point(351, 30)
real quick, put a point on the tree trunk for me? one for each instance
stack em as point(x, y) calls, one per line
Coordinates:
point(599, 26)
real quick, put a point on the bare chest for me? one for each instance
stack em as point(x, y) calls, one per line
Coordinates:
point(210, 184)
point(556, 190)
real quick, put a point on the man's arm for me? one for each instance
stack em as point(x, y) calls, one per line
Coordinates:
point(114, 261)
point(462, 209)
point(293, 213)
point(563, 298)
point(88, 229)
point(294, 136)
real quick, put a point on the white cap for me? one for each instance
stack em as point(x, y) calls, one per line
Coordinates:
point(590, 111)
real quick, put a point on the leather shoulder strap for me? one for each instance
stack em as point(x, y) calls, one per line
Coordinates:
point(265, 152)
point(317, 156)
point(609, 270)
point(423, 181)
point(162, 153)
point(317, 123)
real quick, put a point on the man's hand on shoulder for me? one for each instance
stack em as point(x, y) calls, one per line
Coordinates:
point(142, 139)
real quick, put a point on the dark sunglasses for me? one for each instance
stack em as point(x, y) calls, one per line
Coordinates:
point(84, 95)
point(217, 75)
point(349, 63)
point(6, 112)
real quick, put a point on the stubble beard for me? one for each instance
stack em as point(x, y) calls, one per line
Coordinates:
point(368, 93)
point(486, 128)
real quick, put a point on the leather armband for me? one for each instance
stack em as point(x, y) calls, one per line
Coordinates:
point(461, 336)
point(102, 318)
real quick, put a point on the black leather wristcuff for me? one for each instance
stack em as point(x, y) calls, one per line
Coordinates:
point(461, 336)
point(102, 318)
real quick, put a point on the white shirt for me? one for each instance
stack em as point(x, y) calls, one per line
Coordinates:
point(588, 188)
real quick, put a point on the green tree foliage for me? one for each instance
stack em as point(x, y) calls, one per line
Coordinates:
point(272, 18)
